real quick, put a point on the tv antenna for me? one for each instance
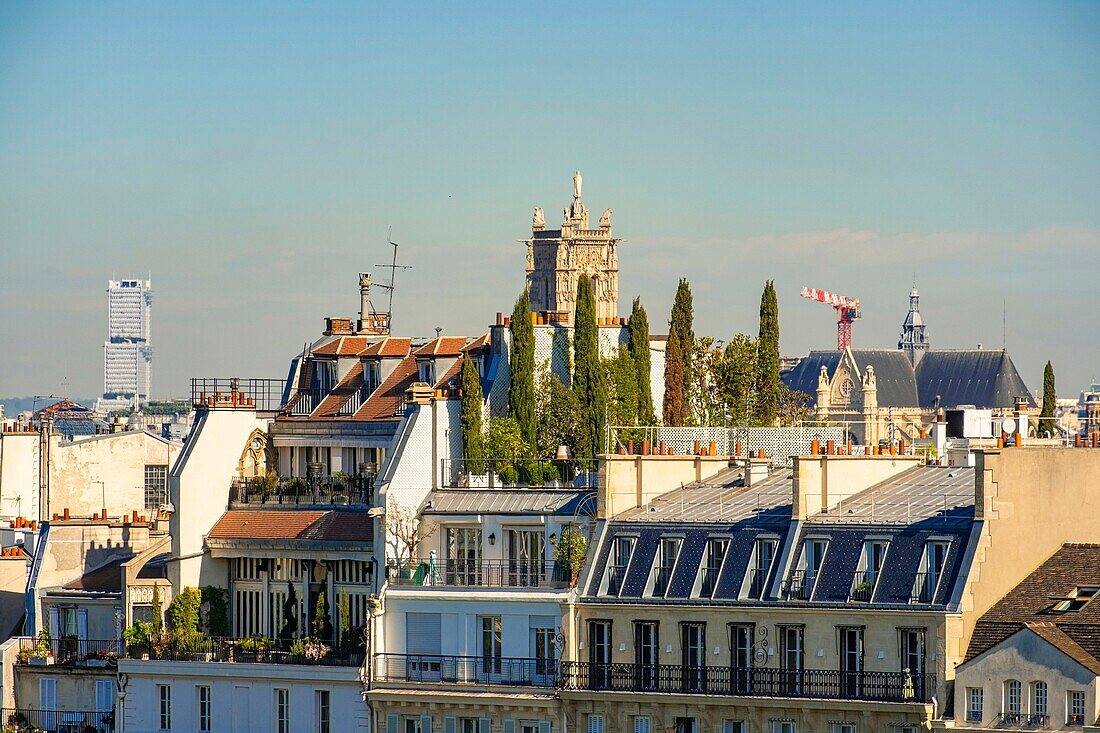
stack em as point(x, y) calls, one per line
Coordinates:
point(393, 268)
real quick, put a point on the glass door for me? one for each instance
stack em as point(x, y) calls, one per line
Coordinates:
point(542, 643)
point(694, 655)
point(851, 661)
point(463, 565)
point(599, 655)
point(790, 641)
point(526, 555)
point(645, 654)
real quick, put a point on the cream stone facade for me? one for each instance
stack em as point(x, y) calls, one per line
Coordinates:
point(556, 258)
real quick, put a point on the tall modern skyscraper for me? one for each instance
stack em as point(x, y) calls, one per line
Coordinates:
point(127, 352)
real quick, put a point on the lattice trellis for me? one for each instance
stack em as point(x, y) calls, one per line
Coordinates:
point(778, 444)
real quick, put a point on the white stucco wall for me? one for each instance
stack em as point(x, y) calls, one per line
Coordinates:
point(19, 475)
point(242, 695)
point(1025, 657)
point(199, 488)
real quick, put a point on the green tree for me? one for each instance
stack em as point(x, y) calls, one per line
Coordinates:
point(473, 438)
point(704, 407)
point(1046, 414)
point(290, 613)
point(638, 344)
point(505, 441)
point(672, 410)
point(183, 612)
point(215, 609)
point(158, 611)
point(622, 393)
point(734, 375)
point(588, 383)
point(556, 412)
point(521, 390)
point(767, 382)
point(322, 624)
point(682, 322)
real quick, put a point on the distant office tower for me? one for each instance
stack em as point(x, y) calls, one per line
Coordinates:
point(127, 353)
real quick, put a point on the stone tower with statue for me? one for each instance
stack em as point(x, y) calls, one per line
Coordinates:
point(556, 258)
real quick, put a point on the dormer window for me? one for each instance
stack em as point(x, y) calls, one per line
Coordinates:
point(712, 565)
point(667, 553)
point(426, 371)
point(803, 580)
point(760, 567)
point(931, 570)
point(866, 577)
point(372, 376)
point(1075, 600)
point(621, 550)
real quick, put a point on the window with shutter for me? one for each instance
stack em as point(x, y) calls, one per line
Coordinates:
point(733, 726)
point(425, 724)
point(104, 696)
point(509, 725)
point(544, 726)
point(595, 724)
point(47, 694)
point(392, 723)
point(641, 724)
point(450, 724)
point(485, 725)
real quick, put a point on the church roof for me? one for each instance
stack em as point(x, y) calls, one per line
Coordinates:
point(979, 377)
point(983, 378)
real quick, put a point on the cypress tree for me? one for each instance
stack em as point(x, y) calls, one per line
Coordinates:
point(672, 410)
point(767, 358)
point(1046, 415)
point(682, 323)
point(521, 390)
point(473, 439)
point(638, 345)
point(588, 382)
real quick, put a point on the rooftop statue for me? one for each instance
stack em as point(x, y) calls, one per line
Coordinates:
point(577, 183)
point(539, 220)
point(605, 219)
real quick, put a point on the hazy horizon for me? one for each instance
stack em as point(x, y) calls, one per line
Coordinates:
point(253, 159)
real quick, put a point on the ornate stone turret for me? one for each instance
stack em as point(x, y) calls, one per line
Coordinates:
point(556, 258)
point(824, 394)
point(913, 341)
point(870, 406)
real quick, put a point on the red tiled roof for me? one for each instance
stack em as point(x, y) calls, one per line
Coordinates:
point(442, 346)
point(343, 391)
point(1030, 605)
point(342, 346)
point(478, 343)
point(316, 526)
point(385, 400)
point(388, 346)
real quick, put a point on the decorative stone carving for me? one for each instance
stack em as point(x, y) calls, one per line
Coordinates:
point(605, 219)
point(538, 221)
point(577, 183)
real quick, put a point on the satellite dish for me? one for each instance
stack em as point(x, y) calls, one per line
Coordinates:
point(1008, 425)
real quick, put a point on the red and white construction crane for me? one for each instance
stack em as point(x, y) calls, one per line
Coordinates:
point(847, 309)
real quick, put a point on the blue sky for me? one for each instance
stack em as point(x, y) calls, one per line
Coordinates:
point(252, 156)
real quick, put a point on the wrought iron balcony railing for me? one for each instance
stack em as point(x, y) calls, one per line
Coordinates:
point(456, 670)
point(757, 585)
point(256, 650)
point(263, 395)
point(69, 651)
point(62, 721)
point(924, 588)
point(313, 490)
point(863, 586)
point(757, 682)
point(480, 573)
point(800, 585)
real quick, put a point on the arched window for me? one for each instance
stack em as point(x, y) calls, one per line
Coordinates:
point(1011, 704)
point(1039, 699)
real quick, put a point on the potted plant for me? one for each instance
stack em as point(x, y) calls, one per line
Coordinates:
point(308, 650)
point(41, 654)
point(137, 638)
point(569, 553)
point(254, 648)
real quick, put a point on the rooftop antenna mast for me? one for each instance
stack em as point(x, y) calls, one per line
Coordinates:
point(393, 268)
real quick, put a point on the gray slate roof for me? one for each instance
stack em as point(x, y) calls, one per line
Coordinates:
point(979, 377)
point(509, 501)
point(720, 498)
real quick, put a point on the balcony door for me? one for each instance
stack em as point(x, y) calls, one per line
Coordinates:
point(463, 565)
point(646, 644)
point(693, 653)
point(526, 557)
point(599, 655)
point(492, 646)
point(911, 643)
point(791, 655)
point(423, 642)
point(741, 645)
point(542, 648)
point(851, 660)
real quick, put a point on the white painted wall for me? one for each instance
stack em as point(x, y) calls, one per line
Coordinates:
point(232, 685)
point(199, 489)
point(19, 475)
point(1026, 657)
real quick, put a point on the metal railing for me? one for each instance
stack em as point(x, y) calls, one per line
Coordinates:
point(331, 490)
point(615, 579)
point(69, 651)
point(757, 682)
point(924, 588)
point(480, 573)
point(222, 392)
point(57, 721)
point(863, 586)
point(495, 473)
point(757, 582)
point(661, 580)
point(484, 670)
point(247, 651)
point(709, 582)
point(800, 585)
